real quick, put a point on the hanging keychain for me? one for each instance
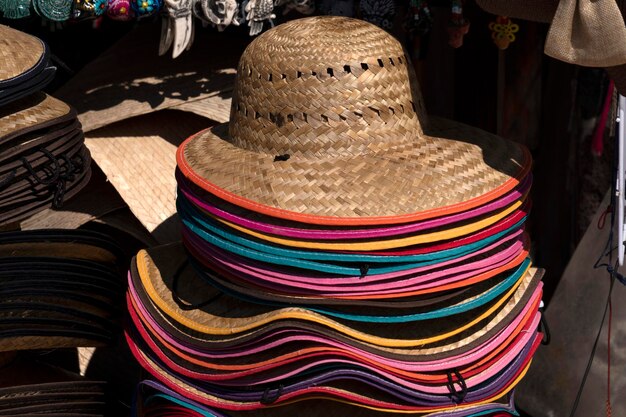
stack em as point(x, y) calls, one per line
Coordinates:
point(88, 9)
point(257, 12)
point(418, 23)
point(15, 9)
point(458, 26)
point(177, 27)
point(503, 31)
point(146, 8)
point(120, 10)
point(301, 6)
point(337, 7)
point(379, 12)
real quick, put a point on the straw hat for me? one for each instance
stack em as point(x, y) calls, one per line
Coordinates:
point(152, 284)
point(154, 396)
point(30, 386)
point(25, 67)
point(43, 160)
point(20, 53)
point(328, 127)
point(583, 32)
point(60, 288)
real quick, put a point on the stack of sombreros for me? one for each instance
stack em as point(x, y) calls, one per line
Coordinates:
point(59, 289)
point(338, 245)
point(43, 159)
point(31, 387)
point(25, 65)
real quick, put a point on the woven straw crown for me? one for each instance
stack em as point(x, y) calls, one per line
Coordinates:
point(324, 85)
point(328, 127)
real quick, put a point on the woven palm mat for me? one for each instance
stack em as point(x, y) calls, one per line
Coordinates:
point(138, 156)
point(130, 79)
point(98, 203)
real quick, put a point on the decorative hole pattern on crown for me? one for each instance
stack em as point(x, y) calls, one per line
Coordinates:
point(354, 70)
point(336, 87)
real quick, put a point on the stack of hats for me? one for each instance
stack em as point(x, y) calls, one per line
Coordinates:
point(59, 289)
point(33, 388)
point(25, 65)
point(339, 245)
point(43, 159)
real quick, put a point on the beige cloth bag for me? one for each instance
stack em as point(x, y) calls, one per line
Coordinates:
point(590, 33)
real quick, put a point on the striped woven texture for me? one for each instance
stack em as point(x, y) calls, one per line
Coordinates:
point(29, 386)
point(338, 248)
point(19, 52)
point(60, 288)
point(43, 158)
point(30, 113)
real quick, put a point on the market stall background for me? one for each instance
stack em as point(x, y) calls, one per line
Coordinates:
point(131, 102)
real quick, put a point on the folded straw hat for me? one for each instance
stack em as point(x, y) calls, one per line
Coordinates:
point(226, 319)
point(25, 68)
point(43, 160)
point(155, 399)
point(328, 127)
point(58, 288)
point(30, 387)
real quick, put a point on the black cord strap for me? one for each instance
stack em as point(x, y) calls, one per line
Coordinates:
point(266, 399)
point(182, 304)
point(56, 170)
point(456, 396)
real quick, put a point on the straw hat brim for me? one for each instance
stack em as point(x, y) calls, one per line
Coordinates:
point(506, 367)
point(227, 316)
point(314, 408)
point(37, 111)
point(453, 168)
point(515, 313)
point(344, 395)
point(13, 148)
point(60, 243)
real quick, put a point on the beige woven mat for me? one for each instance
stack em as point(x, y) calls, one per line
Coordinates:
point(130, 78)
point(138, 156)
point(97, 202)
